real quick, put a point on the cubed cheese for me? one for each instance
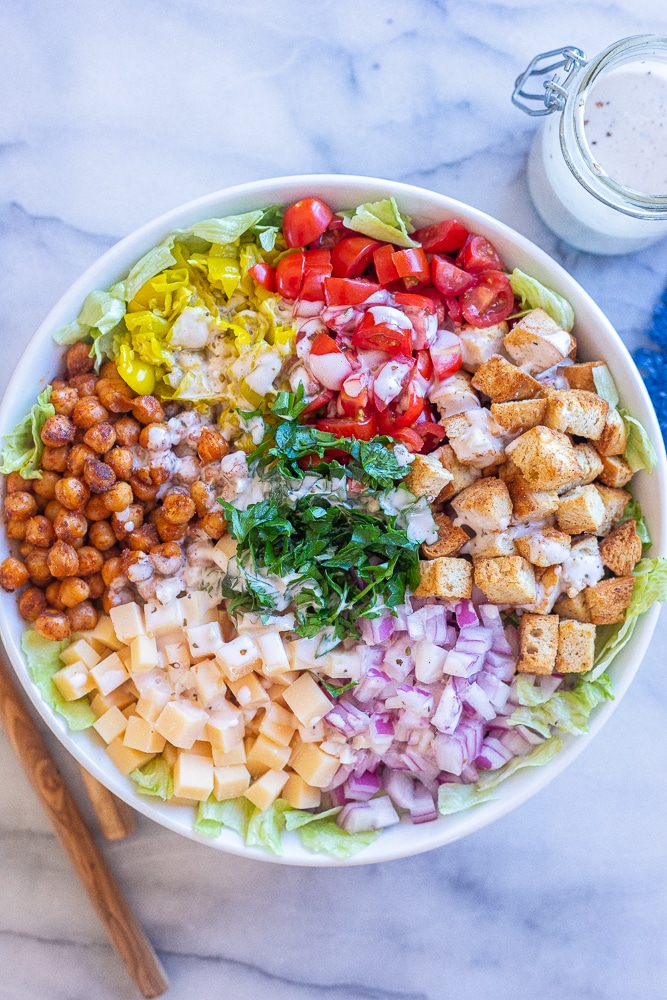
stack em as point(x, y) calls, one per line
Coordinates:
point(314, 765)
point(123, 696)
point(143, 654)
point(161, 618)
point(209, 682)
point(104, 633)
point(300, 794)
point(125, 758)
point(80, 650)
point(278, 724)
point(141, 735)
point(266, 754)
point(225, 727)
point(272, 651)
point(265, 790)
point(193, 777)
point(199, 607)
point(238, 657)
point(249, 692)
point(204, 640)
point(109, 673)
point(234, 756)
point(74, 681)
point(128, 621)
point(182, 723)
point(307, 700)
point(230, 782)
point(110, 725)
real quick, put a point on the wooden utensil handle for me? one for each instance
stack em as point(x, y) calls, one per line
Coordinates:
point(125, 933)
point(114, 816)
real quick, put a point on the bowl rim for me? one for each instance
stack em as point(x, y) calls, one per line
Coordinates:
point(117, 259)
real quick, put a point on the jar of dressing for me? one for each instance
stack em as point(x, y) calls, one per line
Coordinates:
point(597, 170)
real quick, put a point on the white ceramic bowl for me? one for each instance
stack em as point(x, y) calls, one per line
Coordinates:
point(596, 337)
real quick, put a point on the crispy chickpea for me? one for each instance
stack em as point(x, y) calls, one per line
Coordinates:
point(85, 384)
point(13, 573)
point(52, 593)
point(72, 493)
point(88, 412)
point(52, 509)
point(136, 565)
point(178, 508)
point(126, 521)
point(115, 394)
point(96, 585)
point(58, 383)
point(55, 459)
point(58, 430)
point(109, 370)
point(143, 539)
point(155, 437)
point(203, 496)
point(211, 446)
point(167, 558)
point(39, 531)
point(127, 431)
point(95, 509)
point(213, 524)
point(99, 476)
point(46, 486)
point(70, 526)
point(78, 359)
point(78, 456)
point(121, 461)
point(24, 549)
point(62, 560)
point(91, 560)
point(114, 598)
point(101, 536)
point(19, 506)
point(112, 569)
point(64, 400)
point(82, 617)
point(147, 410)
point(118, 497)
point(167, 531)
point(101, 437)
point(143, 486)
point(16, 530)
point(17, 484)
point(38, 566)
point(73, 590)
point(31, 603)
point(53, 625)
point(159, 473)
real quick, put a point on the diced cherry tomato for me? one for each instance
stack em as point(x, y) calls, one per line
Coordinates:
point(347, 427)
point(320, 400)
point(264, 274)
point(477, 254)
point(424, 364)
point(412, 266)
point(442, 237)
point(289, 275)
point(305, 220)
point(317, 269)
point(431, 433)
point(348, 291)
point(351, 255)
point(447, 278)
point(354, 397)
point(372, 336)
point(384, 265)
point(413, 299)
point(327, 362)
point(403, 411)
point(454, 309)
point(446, 354)
point(409, 437)
point(490, 301)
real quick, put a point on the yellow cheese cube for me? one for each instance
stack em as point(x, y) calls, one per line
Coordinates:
point(302, 653)
point(263, 792)
point(170, 754)
point(104, 633)
point(80, 650)
point(228, 758)
point(204, 640)
point(314, 765)
point(239, 657)
point(125, 758)
point(308, 701)
point(74, 681)
point(278, 724)
point(143, 654)
point(282, 681)
point(110, 725)
point(123, 696)
point(209, 682)
point(176, 654)
point(249, 692)
point(161, 618)
point(300, 794)
point(141, 735)
point(225, 727)
point(199, 607)
point(311, 734)
point(128, 621)
point(150, 704)
point(230, 782)
point(193, 777)
point(267, 755)
point(181, 723)
point(109, 673)
point(272, 651)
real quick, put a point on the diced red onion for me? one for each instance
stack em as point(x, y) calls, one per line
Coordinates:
point(466, 614)
point(399, 786)
point(376, 630)
point(347, 719)
point(492, 755)
point(397, 661)
point(496, 691)
point(357, 817)
point(339, 778)
point(459, 664)
point(469, 774)
point(423, 807)
point(501, 665)
point(450, 752)
point(478, 700)
point(361, 788)
point(515, 742)
point(372, 685)
point(549, 685)
point(448, 712)
point(422, 764)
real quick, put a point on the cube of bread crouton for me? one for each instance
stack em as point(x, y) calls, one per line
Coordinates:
point(614, 438)
point(506, 580)
point(484, 506)
point(576, 411)
point(490, 544)
point(575, 608)
point(479, 344)
point(545, 457)
point(450, 539)
point(454, 395)
point(537, 342)
point(547, 586)
point(475, 438)
point(580, 511)
point(450, 579)
point(615, 471)
point(615, 501)
point(608, 600)
point(538, 644)
point(580, 376)
point(462, 475)
point(519, 415)
point(503, 381)
point(583, 568)
point(527, 504)
point(622, 548)
point(427, 477)
point(589, 462)
point(576, 647)
point(544, 547)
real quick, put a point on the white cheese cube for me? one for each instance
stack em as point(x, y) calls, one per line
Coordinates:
point(74, 681)
point(161, 618)
point(193, 777)
point(125, 758)
point(128, 621)
point(265, 790)
point(141, 735)
point(123, 696)
point(239, 657)
point(315, 766)
point(273, 653)
point(278, 724)
point(249, 692)
point(199, 607)
point(110, 725)
point(182, 723)
point(300, 794)
point(230, 782)
point(225, 727)
point(80, 650)
point(308, 701)
point(209, 682)
point(104, 633)
point(266, 755)
point(311, 734)
point(176, 654)
point(143, 654)
point(345, 665)
point(302, 654)
point(204, 640)
point(109, 673)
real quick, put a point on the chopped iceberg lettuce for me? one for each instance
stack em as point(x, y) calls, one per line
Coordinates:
point(155, 778)
point(381, 220)
point(567, 709)
point(634, 511)
point(605, 385)
point(42, 657)
point(650, 586)
point(639, 451)
point(534, 294)
point(22, 449)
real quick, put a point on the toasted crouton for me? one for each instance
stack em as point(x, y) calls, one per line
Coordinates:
point(427, 477)
point(484, 506)
point(490, 545)
point(615, 471)
point(576, 411)
point(580, 511)
point(545, 457)
point(608, 600)
point(454, 395)
point(537, 342)
point(450, 579)
point(575, 608)
point(615, 502)
point(547, 586)
point(503, 381)
point(506, 580)
point(589, 462)
point(462, 475)
point(538, 644)
point(545, 547)
point(583, 567)
point(622, 548)
point(527, 504)
point(519, 415)
point(576, 647)
point(614, 438)
point(479, 344)
point(450, 539)
point(475, 438)
point(580, 376)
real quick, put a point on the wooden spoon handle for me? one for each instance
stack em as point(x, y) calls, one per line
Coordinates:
point(125, 933)
point(114, 816)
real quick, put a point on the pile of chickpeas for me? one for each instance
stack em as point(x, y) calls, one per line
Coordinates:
point(93, 523)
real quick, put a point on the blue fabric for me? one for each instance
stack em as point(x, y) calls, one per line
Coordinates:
point(652, 361)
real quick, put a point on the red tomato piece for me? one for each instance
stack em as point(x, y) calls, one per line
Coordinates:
point(348, 291)
point(413, 299)
point(319, 401)
point(354, 397)
point(453, 309)
point(289, 275)
point(409, 437)
point(372, 336)
point(447, 278)
point(404, 411)
point(446, 354)
point(430, 432)
point(305, 220)
point(384, 265)
point(477, 254)
point(442, 237)
point(424, 364)
point(351, 255)
point(347, 427)
point(265, 275)
point(490, 301)
point(317, 269)
point(412, 266)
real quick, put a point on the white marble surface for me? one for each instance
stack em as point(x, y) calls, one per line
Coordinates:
point(112, 113)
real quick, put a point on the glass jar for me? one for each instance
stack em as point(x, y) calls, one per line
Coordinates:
point(597, 169)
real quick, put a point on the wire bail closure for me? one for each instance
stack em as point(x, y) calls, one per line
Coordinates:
point(568, 59)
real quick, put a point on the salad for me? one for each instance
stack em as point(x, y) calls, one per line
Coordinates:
point(324, 525)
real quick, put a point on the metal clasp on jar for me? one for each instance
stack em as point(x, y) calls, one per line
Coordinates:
point(554, 94)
